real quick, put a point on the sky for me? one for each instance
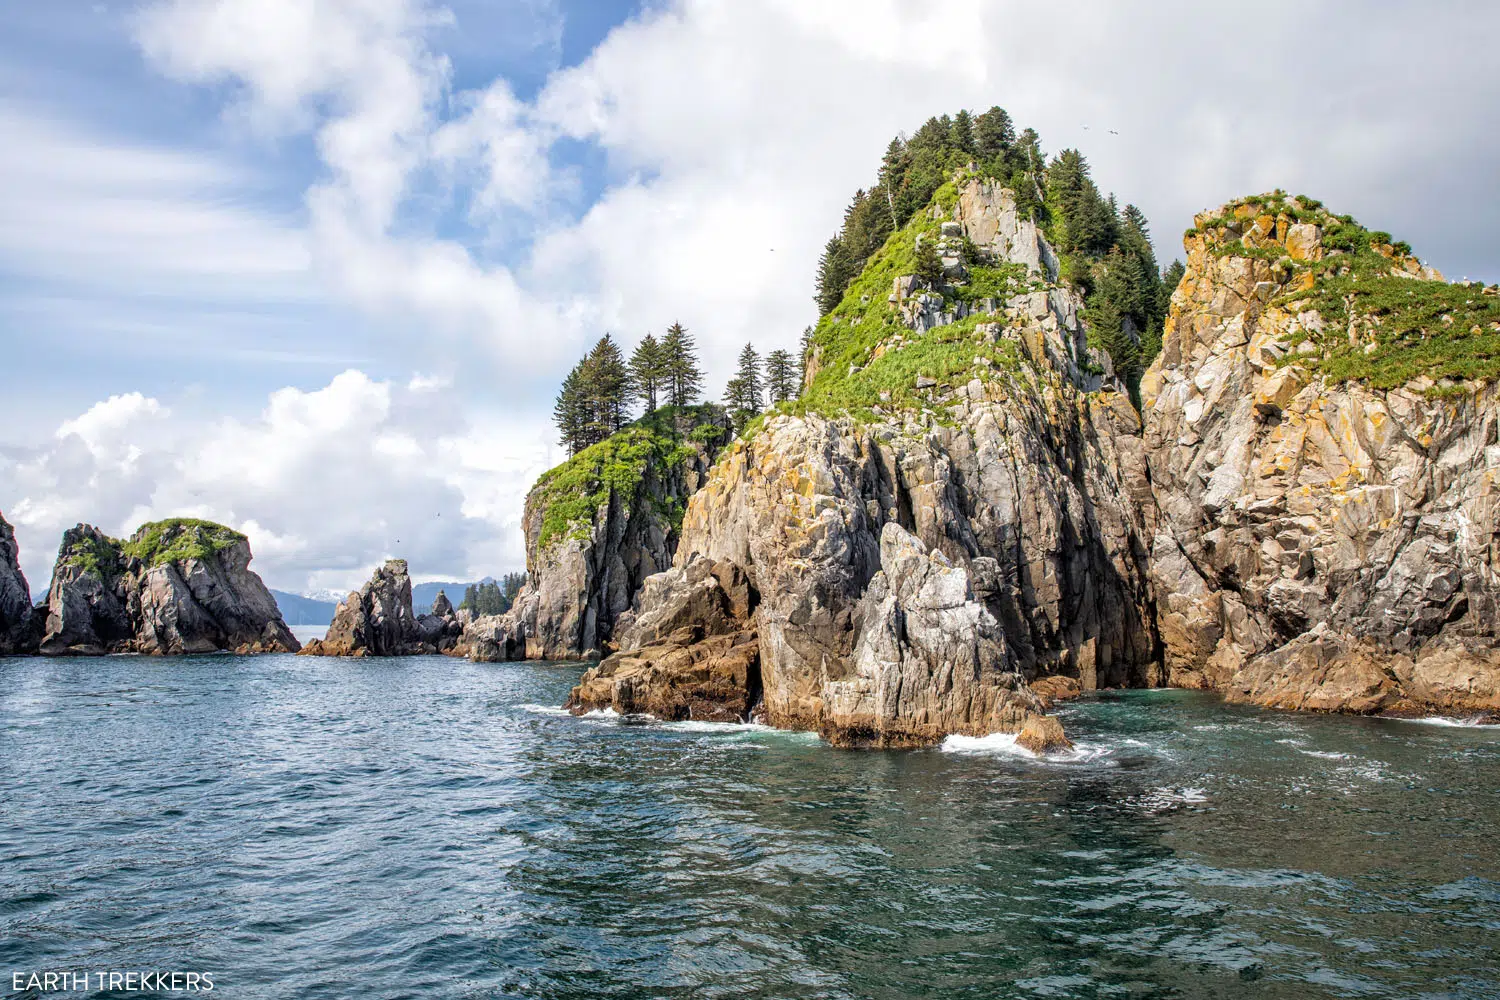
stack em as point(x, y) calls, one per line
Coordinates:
point(315, 268)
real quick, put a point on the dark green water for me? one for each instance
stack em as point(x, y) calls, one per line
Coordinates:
point(411, 828)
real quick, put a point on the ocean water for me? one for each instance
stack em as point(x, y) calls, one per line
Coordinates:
point(428, 827)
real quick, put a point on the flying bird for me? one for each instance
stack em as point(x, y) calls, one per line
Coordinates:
point(1113, 132)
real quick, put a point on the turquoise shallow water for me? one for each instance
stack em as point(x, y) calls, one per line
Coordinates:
point(428, 828)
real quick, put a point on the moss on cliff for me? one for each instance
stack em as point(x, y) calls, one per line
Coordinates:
point(571, 494)
point(868, 358)
point(90, 553)
point(1382, 319)
point(179, 539)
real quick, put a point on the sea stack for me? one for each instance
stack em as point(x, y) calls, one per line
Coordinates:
point(176, 586)
point(377, 620)
point(18, 622)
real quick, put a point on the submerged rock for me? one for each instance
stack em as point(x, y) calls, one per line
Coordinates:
point(176, 586)
point(1043, 734)
point(377, 620)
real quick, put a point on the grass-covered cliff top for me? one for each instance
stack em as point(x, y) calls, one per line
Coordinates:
point(157, 543)
point(868, 359)
point(1385, 319)
point(571, 495)
point(179, 539)
point(855, 375)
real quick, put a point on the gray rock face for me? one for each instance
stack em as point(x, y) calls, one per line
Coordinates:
point(693, 652)
point(1011, 499)
point(1299, 514)
point(17, 623)
point(377, 620)
point(930, 659)
point(913, 571)
point(580, 582)
point(173, 587)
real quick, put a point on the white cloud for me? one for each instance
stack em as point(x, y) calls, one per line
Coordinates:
point(734, 133)
point(738, 131)
point(326, 483)
point(128, 218)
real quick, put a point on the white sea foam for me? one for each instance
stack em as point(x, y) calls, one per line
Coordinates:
point(1443, 720)
point(697, 726)
point(1327, 754)
point(1005, 745)
point(544, 710)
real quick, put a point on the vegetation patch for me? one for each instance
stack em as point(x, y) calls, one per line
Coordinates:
point(1403, 327)
point(572, 494)
point(92, 554)
point(179, 539)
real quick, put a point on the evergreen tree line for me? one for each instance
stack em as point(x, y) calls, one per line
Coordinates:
point(1104, 251)
point(911, 171)
point(601, 392)
point(492, 597)
point(757, 384)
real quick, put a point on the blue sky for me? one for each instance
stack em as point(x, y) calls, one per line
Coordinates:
point(315, 270)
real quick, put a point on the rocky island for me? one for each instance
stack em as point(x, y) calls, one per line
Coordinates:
point(377, 620)
point(1023, 463)
point(984, 499)
point(173, 587)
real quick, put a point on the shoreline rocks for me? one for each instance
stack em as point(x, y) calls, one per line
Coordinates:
point(377, 620)
point(585, 565)
point(19, 623)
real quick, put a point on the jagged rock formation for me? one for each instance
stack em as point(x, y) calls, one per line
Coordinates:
point(596, 528)
point(693, 655)
point(913, 568)
point(1328, 508)
point(18, 625)
point(177, 586)
point(965, 499)
point(930, 659)
point(377, 620)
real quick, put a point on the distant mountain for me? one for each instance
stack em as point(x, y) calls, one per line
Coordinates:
point(299, 610)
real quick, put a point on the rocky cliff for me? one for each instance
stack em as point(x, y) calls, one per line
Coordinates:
point(18, 625)
point(377, 620)
point(177, 586)
point(958, 503)
point(1321, 431)
point(596, 527)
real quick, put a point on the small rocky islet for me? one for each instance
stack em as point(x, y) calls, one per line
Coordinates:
point(970, 513)
point(173, 587)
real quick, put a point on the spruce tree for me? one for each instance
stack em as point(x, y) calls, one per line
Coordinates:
point(648, 371)
point(929, 264)
point(743, 394)
point(571, 411)
point(807, 350)
point(834, 273)
point(605, 381)
point(682, 378)
point(961, 135)
point(781, 375)
point(994, 133)
point(471, 599)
